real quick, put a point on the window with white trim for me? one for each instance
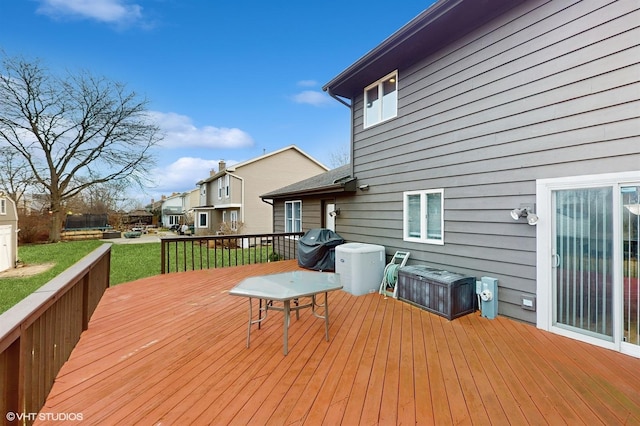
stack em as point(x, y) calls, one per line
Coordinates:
point(203, 219)
point(226, 185)
point(3, 206)
point(293, 216)
point(234, 220)
point(423, 217)
point(381, 100)
point(220, 188)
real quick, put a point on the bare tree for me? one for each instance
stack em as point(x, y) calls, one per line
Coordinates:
point(75, 131)
point(339, 157)
point(15, 175)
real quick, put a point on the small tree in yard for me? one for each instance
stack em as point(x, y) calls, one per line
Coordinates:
point(74, 132)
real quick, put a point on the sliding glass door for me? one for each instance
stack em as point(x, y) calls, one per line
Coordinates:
point(583, 259)
point(594, 240)
point(630, 201)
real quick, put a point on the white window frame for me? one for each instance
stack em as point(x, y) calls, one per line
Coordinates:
point(227, 184)
point(234, 220)
point(3, 206)
point(369, 121)
point(206, 219)
point(220, 188)
point(424, 235)
point(290, 221)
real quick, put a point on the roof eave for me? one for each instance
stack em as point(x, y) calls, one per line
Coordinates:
point(426, 33)
point(337, 188)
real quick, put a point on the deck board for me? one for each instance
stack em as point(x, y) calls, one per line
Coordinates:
point(171, 350)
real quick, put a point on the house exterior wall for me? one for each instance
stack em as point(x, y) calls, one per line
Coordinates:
point(311, 213)
point(249, 180)
point(172, 206)
point(268, 174)
point(549, 89)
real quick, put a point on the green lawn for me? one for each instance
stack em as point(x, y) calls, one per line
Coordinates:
point(129, 262)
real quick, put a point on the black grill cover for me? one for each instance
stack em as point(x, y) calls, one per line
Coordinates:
point(316, 249)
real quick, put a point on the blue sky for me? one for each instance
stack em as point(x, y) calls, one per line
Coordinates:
point(227, 80)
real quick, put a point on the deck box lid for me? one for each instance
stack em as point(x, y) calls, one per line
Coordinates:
point(433, 274)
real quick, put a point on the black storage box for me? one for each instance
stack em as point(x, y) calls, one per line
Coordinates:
point(444, 293)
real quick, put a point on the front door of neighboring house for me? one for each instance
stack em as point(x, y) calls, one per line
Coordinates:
point(588, 276)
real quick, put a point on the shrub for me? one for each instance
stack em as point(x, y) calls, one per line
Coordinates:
point(34, 228)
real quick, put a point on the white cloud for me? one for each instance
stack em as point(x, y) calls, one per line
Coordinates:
point(182, 174)
point(307, 83)
point(311, 97)
point(110, 11)
point(180, 132)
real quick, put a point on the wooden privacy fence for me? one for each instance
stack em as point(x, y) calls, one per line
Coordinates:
point(215, 251)
point(38, 334)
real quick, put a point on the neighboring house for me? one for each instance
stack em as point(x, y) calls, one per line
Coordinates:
point(173, 210)
point(232, 195)
point(311, 203)
point(177, 209)
point(8, 233)
point(474, 109)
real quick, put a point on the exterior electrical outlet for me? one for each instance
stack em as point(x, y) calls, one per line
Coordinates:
point(488, 291)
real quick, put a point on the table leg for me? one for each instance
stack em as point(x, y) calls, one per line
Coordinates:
point(249, 327)
point(326, 316)
point(287, 313)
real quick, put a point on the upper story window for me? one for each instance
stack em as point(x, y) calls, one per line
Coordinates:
point(381, 100)
point(3, 206)
point(424, 216)
point(223, 186)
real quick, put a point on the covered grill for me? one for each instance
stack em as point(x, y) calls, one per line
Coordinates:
point(316, 249)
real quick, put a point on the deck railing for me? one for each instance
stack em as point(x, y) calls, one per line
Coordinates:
point(187, 253)
point(38, 334)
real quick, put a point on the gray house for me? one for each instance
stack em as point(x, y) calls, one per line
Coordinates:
point(502, 139)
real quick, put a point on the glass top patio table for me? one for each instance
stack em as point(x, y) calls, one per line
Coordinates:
point(285, 287)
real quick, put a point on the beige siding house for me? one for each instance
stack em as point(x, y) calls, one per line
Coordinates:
point(230, 198)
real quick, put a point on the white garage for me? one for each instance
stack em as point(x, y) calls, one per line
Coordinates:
point(8, 233)
point(6, 248)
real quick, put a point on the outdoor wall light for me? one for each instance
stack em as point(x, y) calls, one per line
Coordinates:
point(335, 213)
point(364, 187)
point(517, 213)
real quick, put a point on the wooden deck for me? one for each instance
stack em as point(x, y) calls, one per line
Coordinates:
point(171, 349)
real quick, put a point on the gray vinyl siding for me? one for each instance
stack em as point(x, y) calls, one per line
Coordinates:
point(311, 214)
point(549, 89)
